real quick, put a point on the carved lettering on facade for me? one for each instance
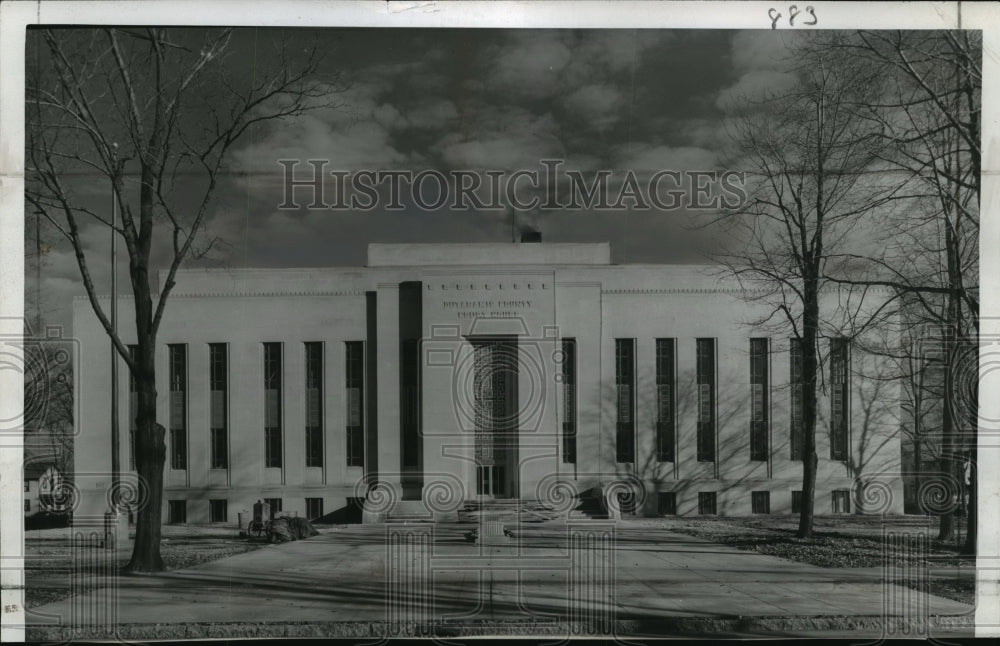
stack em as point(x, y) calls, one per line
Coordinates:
point(499, 308)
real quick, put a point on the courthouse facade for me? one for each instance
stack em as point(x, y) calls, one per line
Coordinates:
point(441, 374)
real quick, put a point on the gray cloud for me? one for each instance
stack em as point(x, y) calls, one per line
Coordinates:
point(480, 99)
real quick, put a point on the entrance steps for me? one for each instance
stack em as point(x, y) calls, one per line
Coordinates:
point(476, 511)
point(589, 508)
point(509, 510)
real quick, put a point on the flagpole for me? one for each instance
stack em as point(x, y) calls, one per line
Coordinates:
point(115, 446)
point(38, 273)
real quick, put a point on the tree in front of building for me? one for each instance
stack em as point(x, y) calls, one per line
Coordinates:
point(927, 118)
point(812, 183)
point(150, 114)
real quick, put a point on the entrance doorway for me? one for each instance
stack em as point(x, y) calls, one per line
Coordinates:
point(495, 401)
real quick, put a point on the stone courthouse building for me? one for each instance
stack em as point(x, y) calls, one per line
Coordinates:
point(442, 374)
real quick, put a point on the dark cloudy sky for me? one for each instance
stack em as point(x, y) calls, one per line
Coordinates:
point(640, 100)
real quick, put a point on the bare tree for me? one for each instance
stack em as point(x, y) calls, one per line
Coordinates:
point(929, 118)
point(813, 176)
point(165, 107)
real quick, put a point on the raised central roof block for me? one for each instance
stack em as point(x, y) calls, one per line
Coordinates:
point(489, 253)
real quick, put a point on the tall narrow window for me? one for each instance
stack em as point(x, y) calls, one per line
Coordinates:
point(314, 404)
point(178, 406)
point(795, 383)
point(410, 401)
point(759, 396)
point(218, 377)
point(625, 387)
point(133, 408)
point(665, 417)
point(272, 405)
point(568, 384)
point(839, 398)
point(706, 399)
point(355, 367)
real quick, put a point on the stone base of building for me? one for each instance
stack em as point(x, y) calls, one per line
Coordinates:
point(616, 499)
point(866, 494)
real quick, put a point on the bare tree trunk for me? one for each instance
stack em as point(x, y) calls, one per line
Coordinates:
point(946, 528)
point(151, 448)
point(810, 324)
point(946, 521)
point(150, 454)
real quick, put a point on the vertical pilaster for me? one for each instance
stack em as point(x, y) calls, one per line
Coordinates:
point(199, 449)
point(389, 464)
point(294, 405)
point(410, 330)
point(371, 384)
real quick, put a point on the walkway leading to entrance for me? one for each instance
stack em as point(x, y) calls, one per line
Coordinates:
point(650, 582)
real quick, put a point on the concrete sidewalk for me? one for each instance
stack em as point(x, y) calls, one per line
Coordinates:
point(643, 581)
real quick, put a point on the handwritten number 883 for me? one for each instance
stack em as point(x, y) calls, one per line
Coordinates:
point(793, 13)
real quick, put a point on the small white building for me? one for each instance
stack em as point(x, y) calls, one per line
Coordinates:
point(448, 373)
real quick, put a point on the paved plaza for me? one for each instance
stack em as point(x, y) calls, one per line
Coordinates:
point(592, 576)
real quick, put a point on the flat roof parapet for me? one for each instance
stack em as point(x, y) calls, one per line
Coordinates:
point(489, 253)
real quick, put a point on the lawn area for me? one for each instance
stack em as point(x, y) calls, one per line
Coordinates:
point(838, 542)
point(48, 559)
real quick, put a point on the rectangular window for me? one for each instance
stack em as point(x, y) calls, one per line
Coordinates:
point(706, 503)
point(354, 381)
point(27, 487)
point(133, 408)
point(625, 391)
point(178, 406)
point(27, 505)
point(842, 501)
point(796, 502)
point(665, 418)
point(568, 384)
point(667, 503)
point(795, 383)
point(218, 384)
point(314, 508)
point(839, 399)
point(275, 504)
point(760, 502)
point(177, 511)
point(272, 405)
point(706, 399)
point(759, 396)
point(410, 401)
point(314, 404)
point(218, 511)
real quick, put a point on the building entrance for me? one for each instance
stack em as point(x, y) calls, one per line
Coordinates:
point(495, 401)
